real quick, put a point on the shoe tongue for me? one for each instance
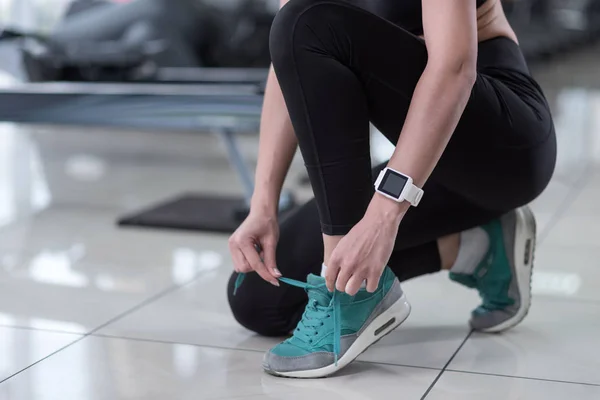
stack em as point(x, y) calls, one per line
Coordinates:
point(321, 295)
point(315, 280)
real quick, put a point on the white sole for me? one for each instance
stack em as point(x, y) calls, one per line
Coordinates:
point(524, 236)
point(389, 320)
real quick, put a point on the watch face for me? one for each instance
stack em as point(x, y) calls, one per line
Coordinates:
point(393, 183)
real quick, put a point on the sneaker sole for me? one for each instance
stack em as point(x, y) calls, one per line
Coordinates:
point(385, 323)
point(524, 252)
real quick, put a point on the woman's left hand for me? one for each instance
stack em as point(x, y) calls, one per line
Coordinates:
point(363, 253)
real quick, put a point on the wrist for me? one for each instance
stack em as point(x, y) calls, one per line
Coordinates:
point(264, 205)
point(383, 209)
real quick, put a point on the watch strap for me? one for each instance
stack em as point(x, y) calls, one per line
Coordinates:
point(413, 195)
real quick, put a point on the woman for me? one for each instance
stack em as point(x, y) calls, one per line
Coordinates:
point(446, 82)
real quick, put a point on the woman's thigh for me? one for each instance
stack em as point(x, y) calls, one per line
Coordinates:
point(387, 62)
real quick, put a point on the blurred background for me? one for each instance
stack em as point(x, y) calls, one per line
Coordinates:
point(128, 141)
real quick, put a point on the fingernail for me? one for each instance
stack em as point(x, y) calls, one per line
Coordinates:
point(275, 283)
point(277, 272)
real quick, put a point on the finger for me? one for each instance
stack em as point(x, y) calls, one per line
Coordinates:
point(239, 262)
point(331, 274)
point(354, 284)
point(373, 282)
point(342, 279)
point(269, 257)
point(243, 265)
point(256, 263)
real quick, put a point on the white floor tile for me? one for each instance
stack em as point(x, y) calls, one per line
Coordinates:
point(113, 169)
point(92, 235)
point(579, 224)
point(461, 386)
point(549, 203)
point(82, 277)
point(587, 201)
point(195, 314)
point(557, 341)
point(116, 369)
point(568, 272)
point(575, 230)
point(20, 348)
point(69, 297)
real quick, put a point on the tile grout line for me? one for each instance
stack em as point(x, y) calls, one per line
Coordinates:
point(437, 378)
point(564, 206)
point(30, 328)
point(108, 336)
point(574, 301)
point(144, 303)
point(398, 365)
point(208, 346)
point(445, 369)
point(523, 377)
point(110, 321)
point(42, 359)
point(159, 341)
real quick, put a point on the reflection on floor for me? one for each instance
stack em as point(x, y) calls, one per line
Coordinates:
point(91, 311)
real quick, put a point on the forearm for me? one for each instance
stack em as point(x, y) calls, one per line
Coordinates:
point(277, 145)
point(436, 107)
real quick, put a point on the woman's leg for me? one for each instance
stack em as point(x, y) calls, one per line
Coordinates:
point(340, 67)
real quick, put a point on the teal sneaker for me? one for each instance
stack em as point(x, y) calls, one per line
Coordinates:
point(503, 278)
point(336, 328)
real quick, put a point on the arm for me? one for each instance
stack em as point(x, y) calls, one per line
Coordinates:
point(277, 145)
point(441, 95)
point(276, 148)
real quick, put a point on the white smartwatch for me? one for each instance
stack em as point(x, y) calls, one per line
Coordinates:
point(398, 187)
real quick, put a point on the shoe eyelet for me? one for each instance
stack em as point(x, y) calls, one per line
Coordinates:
point(310, 341)
point(328, 315)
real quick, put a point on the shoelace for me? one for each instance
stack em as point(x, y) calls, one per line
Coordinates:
point(335, 302)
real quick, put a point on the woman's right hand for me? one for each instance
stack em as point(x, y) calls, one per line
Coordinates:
point(259, 231)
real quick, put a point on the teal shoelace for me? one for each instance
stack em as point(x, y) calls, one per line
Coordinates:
point(313, 314)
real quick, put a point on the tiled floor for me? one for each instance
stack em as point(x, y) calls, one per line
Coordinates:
point(92, 311)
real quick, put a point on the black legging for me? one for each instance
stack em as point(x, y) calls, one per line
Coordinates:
point(341, 67)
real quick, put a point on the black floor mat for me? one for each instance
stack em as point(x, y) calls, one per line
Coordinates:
point(192, 212)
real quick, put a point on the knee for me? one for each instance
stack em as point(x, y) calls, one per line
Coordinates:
point(285, 33)
point(251, 311)
point(288, 16)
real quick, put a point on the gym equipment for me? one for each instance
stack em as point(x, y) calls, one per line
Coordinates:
point(165, 40)
point(11, 64)
point(549, 27)
point(103, 41)
point(114, 50)
point(78, 6)
point(225, 110)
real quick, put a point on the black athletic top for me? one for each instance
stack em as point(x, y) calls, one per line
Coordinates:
point(411, 17)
